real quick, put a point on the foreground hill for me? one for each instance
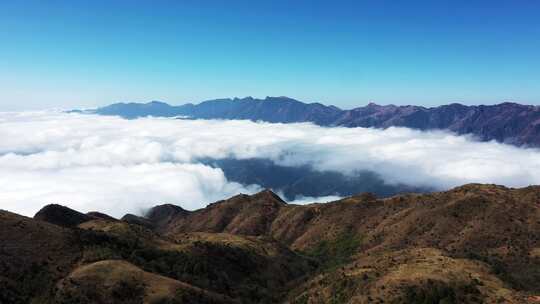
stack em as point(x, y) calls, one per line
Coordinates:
point(506, 122)
point(492, 224)
point(472, 244)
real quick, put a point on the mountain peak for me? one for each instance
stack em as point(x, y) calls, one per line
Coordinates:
point(61, 216)
point(160, 216)
point(281, 98)
point(269, 194)
point(247, 98)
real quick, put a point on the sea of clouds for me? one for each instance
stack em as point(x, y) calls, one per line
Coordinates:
point(116, 166)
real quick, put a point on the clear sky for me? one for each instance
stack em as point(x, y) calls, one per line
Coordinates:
point(72, 53)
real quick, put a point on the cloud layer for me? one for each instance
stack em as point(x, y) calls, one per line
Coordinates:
point(117, 166)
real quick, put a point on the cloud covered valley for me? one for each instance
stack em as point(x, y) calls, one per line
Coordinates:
point(116, 166)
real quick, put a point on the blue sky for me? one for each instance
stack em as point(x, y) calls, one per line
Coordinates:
point(68, 54)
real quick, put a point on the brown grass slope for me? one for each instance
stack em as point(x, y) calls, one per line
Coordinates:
point(33, 255)
point(420, 275)
point(99, 215)
point(138, 220)
point(472, 244)
point(485, 223)
point(241, 214)
point(105, 261)
point(252, 269)
point(116, 281)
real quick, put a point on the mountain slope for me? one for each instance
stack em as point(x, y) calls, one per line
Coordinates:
point(241, 214)
point(491, 224)
point(472, 244)
point(33, 256)
point(422, 275)
point(506, 122)
point(110, 261)
point(62, 216)
point(116, 281)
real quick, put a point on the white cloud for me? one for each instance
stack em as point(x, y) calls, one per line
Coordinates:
point(116, 189)
point(113, 165)
point(304, 200)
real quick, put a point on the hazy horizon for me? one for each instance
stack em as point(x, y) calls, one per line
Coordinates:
point(179, 103)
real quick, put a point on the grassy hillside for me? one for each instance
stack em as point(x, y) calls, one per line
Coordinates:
point(472, 244)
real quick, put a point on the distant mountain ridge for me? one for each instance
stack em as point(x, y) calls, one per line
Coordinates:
point(507, 122)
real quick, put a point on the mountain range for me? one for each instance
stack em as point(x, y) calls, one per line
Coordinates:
point(472, 244)
point(510, 123)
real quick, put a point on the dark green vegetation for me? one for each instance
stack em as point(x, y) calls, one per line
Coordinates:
point(473, 244)
point(223, 266)
point(436, 292)
point(335, 252)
